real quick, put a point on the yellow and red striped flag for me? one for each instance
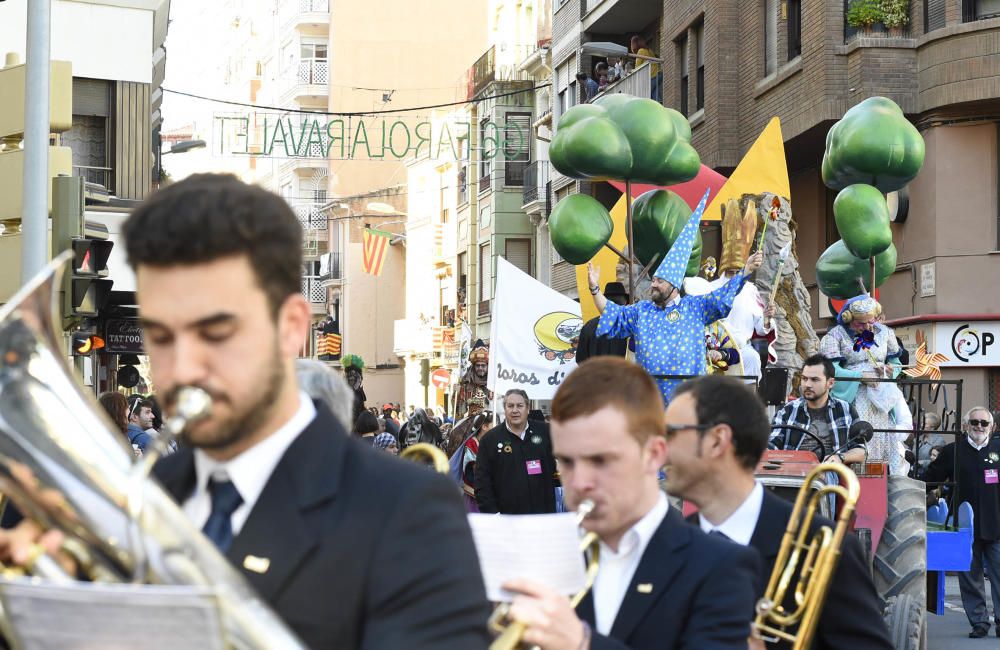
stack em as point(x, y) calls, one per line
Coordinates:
point(376, 243)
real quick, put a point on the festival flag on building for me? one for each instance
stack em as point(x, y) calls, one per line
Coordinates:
point(376, 243)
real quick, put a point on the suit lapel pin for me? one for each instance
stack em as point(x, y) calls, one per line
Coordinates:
point(644, 588)
point(256, 564)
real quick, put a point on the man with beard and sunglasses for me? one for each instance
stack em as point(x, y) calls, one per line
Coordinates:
point(978, 482)
point(363, 551)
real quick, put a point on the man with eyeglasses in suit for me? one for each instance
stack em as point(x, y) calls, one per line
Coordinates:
point(978, 483)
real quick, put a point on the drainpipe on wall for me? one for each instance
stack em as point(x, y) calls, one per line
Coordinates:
point(472, 290)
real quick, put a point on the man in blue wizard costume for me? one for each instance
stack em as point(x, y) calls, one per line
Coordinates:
point(669, 328)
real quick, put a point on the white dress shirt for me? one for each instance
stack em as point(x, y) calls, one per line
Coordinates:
point(740, 525)
point(617, 568)
point(249, 471)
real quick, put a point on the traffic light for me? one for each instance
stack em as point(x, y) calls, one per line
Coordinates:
point(86, 287)
point(83, 343)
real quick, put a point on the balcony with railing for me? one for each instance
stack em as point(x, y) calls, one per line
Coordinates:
point(310, 215)
point(536, 176)
point(634, 83)
point(310, 17)
point(330, 270)
point(314, 290)
point(498, 66)
point(306, 81)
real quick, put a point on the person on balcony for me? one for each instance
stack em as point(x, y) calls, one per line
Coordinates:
point(588, 85)
point(637, 47)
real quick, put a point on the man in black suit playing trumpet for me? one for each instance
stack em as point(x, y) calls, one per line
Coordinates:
point(662, 583)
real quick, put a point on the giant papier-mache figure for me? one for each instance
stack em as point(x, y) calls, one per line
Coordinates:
point(730, 336)
point(354, 367)
point(863, 348)
point(473, 382)
point(670, 339)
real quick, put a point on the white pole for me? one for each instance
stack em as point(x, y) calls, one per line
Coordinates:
point(34, 220)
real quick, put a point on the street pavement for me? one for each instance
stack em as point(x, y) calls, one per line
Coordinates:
point(952, 629)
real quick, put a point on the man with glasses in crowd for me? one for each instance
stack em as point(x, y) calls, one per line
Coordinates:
point(978, 483)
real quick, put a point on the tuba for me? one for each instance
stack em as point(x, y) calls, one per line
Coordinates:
point(63, 467)
point(428, 454)
point(810, 559)
point(510, 635)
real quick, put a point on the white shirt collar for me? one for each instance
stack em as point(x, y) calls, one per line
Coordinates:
point(251, 470)
point(740, 525)
point(637, 537)
point(973, 444)
point(618, 568)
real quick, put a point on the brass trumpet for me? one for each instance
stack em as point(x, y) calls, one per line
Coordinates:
point(821, 553)
point(509, 635)
point(428, 454)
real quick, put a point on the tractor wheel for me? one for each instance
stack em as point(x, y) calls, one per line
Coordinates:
point(900, 565)
point(905, 619)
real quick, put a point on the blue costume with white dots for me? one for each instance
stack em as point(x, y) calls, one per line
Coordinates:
point(670, 341)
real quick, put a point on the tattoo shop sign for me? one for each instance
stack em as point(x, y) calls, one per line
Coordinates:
point(123, 336)
point(533, 335)
point(280, 135)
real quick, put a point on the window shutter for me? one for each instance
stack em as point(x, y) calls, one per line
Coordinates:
point(518, 253)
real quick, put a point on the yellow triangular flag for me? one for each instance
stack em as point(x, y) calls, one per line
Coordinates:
point(762, 169)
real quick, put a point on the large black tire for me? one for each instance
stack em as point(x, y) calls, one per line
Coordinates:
point(905, 619)
point(900, 565)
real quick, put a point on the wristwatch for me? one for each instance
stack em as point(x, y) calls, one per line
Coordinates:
point(595, 290)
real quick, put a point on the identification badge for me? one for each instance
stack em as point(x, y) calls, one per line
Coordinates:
point(535, 467)
point(991, 476)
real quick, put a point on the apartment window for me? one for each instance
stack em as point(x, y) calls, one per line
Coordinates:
point(979, 9)
point(517, 147)
point(485, 273)
point(463, 188)
point(485, 161)
point(566, 87)
point(463, 276)
point(699, 42)
point(518, 253)
point(794, 28)
point(682, 45)
point(313, 50)
point(770, 37)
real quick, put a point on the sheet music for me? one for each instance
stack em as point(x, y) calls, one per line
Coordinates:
point(544, 548)
point(92, 616)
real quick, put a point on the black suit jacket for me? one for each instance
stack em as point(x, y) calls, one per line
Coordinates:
point(852, 614)
point(366, 550)
point(701, 596)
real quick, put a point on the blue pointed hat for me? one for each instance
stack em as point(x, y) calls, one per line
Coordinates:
point(674, 265)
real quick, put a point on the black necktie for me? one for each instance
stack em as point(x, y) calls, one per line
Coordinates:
point(721, 535)
point(225, 500)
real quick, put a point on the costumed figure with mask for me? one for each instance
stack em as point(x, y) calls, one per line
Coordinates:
point(419, 428)
point(728, 339)
point(474, 379)
point(669, 329)
point(862, 348)
point(354, 367)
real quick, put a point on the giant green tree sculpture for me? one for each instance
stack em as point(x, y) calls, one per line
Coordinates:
point(618, 137)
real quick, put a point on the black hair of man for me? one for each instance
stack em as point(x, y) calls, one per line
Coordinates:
point(724, 400)
point(515, 391)
point(136, 403)
point(819, 360)
point(366, 423)
point(601, 66)
point(208, 217)
point(581, 76)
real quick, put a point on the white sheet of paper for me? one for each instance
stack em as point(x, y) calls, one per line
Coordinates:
point(86, 616)
point(544, 548)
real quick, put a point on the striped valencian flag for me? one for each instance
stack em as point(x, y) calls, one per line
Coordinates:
point(376, 242)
